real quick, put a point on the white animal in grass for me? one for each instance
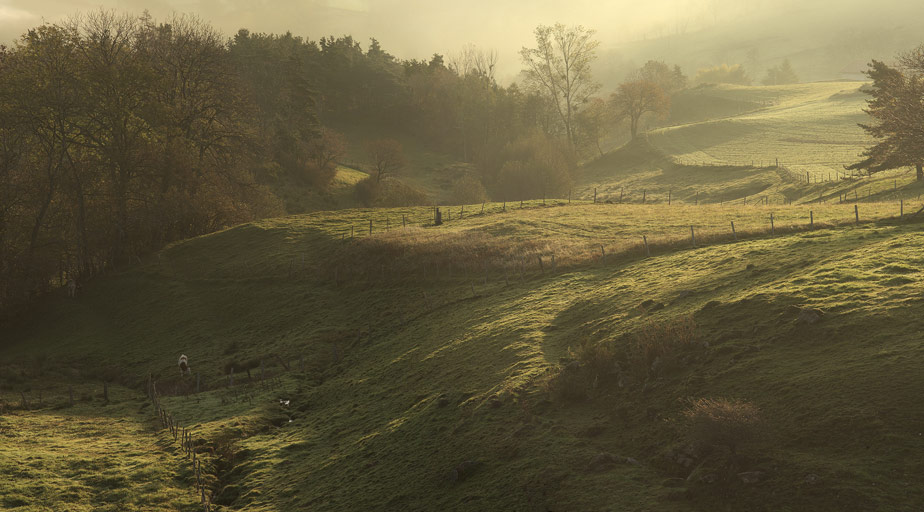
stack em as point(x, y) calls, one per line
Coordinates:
point(184, 365)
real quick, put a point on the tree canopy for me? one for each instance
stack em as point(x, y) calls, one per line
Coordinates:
point(897, 109)
point(559, 67)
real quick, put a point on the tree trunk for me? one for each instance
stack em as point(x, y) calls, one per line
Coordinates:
point(920, 171)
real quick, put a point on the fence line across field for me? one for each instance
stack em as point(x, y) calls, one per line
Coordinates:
point(532, 261)
point(443, 214)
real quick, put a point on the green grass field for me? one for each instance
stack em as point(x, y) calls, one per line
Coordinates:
point(89, 456)
point(422, 364)
point(408, 374)
point(807, 127)
point(727, 141)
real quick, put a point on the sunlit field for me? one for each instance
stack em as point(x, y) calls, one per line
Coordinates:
point(338, 256)
point(807, 128)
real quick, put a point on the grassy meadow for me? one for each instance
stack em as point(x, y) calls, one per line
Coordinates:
point(403, 382)
point(422, 367)
point(808, 127)
point(88, 456)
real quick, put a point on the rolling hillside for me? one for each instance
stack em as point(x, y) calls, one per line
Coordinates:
point(726, 144)
point(808, 127)
point(424, 363)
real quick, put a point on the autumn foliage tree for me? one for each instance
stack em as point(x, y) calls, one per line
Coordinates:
point(118, 134)
point(639, 97)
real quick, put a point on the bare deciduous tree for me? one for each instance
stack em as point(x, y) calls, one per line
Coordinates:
point(472, 60)
point(559, 67)
point(386, 157)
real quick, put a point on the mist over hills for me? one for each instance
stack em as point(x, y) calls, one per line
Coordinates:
point(824, 40)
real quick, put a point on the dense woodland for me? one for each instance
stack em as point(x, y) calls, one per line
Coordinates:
point(119, 134)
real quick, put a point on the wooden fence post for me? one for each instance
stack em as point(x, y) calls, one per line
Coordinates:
point(603, 254)
point(595, 195)
point(692, 236)
point(856, 212)
point(771, 225)
point(901, 208)
point(541, 266)
point(668, 197)
point(647, 250)
point(370, 227)
point(734, 234)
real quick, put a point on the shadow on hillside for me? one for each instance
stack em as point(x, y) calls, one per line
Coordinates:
point(265, 249)
point(749, 315)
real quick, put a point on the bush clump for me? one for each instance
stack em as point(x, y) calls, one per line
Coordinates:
point(657, 345)
point(720, 422)
point(591, 365)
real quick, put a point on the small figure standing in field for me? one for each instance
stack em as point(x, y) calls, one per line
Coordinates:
point(72, 288)
point(184, 365)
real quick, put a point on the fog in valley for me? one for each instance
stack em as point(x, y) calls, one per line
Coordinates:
point(824, 40)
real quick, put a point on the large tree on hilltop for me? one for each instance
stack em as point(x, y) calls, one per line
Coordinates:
point(559, 67)
point(897, 109)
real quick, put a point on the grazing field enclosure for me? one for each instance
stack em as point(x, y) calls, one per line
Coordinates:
point(667, 258)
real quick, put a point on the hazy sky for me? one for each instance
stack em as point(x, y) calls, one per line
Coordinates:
point(409, 28)
point(418, 28)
